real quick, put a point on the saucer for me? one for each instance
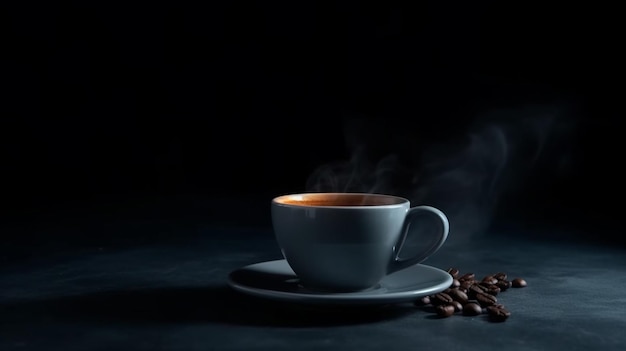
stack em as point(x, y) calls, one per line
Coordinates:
point(276, 280)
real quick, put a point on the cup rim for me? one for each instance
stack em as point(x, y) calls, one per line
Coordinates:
point(400, 201)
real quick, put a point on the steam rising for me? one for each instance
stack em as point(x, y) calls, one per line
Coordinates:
point(465, 177)
point(359, 174)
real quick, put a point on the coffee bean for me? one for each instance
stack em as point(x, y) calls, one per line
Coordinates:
point(489, 279)
point(458, 295)
point(490, 289)
point(444, 310)
point(493, 290)
point(465, 284)
point(457, 306)
point(467, 276)
point(485, 299)
point(472, 297)
point(441, 299)
point(503, 284)
point(500, 276)
point(472, 309)
point(485, 286)
point(474, 290)
point(518, 283)
point(498, 314)
point(453, 272)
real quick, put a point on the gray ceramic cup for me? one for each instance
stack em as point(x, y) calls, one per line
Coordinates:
point(349, 241)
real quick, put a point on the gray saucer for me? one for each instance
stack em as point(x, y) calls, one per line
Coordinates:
point(276, 280)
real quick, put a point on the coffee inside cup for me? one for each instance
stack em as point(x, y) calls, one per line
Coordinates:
point(338, 200)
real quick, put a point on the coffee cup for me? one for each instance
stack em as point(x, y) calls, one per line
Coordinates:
point(344, 242)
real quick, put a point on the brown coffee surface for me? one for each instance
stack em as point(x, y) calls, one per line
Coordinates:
point(338, 200)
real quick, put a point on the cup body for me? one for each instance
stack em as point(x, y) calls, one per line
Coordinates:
point(339, 241)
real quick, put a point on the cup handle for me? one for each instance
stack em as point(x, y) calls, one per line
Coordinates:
point(398, 263)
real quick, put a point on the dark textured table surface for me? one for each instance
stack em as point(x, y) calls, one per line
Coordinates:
point(171, 294)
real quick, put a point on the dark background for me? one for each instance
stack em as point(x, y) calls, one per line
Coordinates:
point(502, 115)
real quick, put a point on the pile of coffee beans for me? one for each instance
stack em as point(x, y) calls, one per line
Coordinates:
point(469, 296)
